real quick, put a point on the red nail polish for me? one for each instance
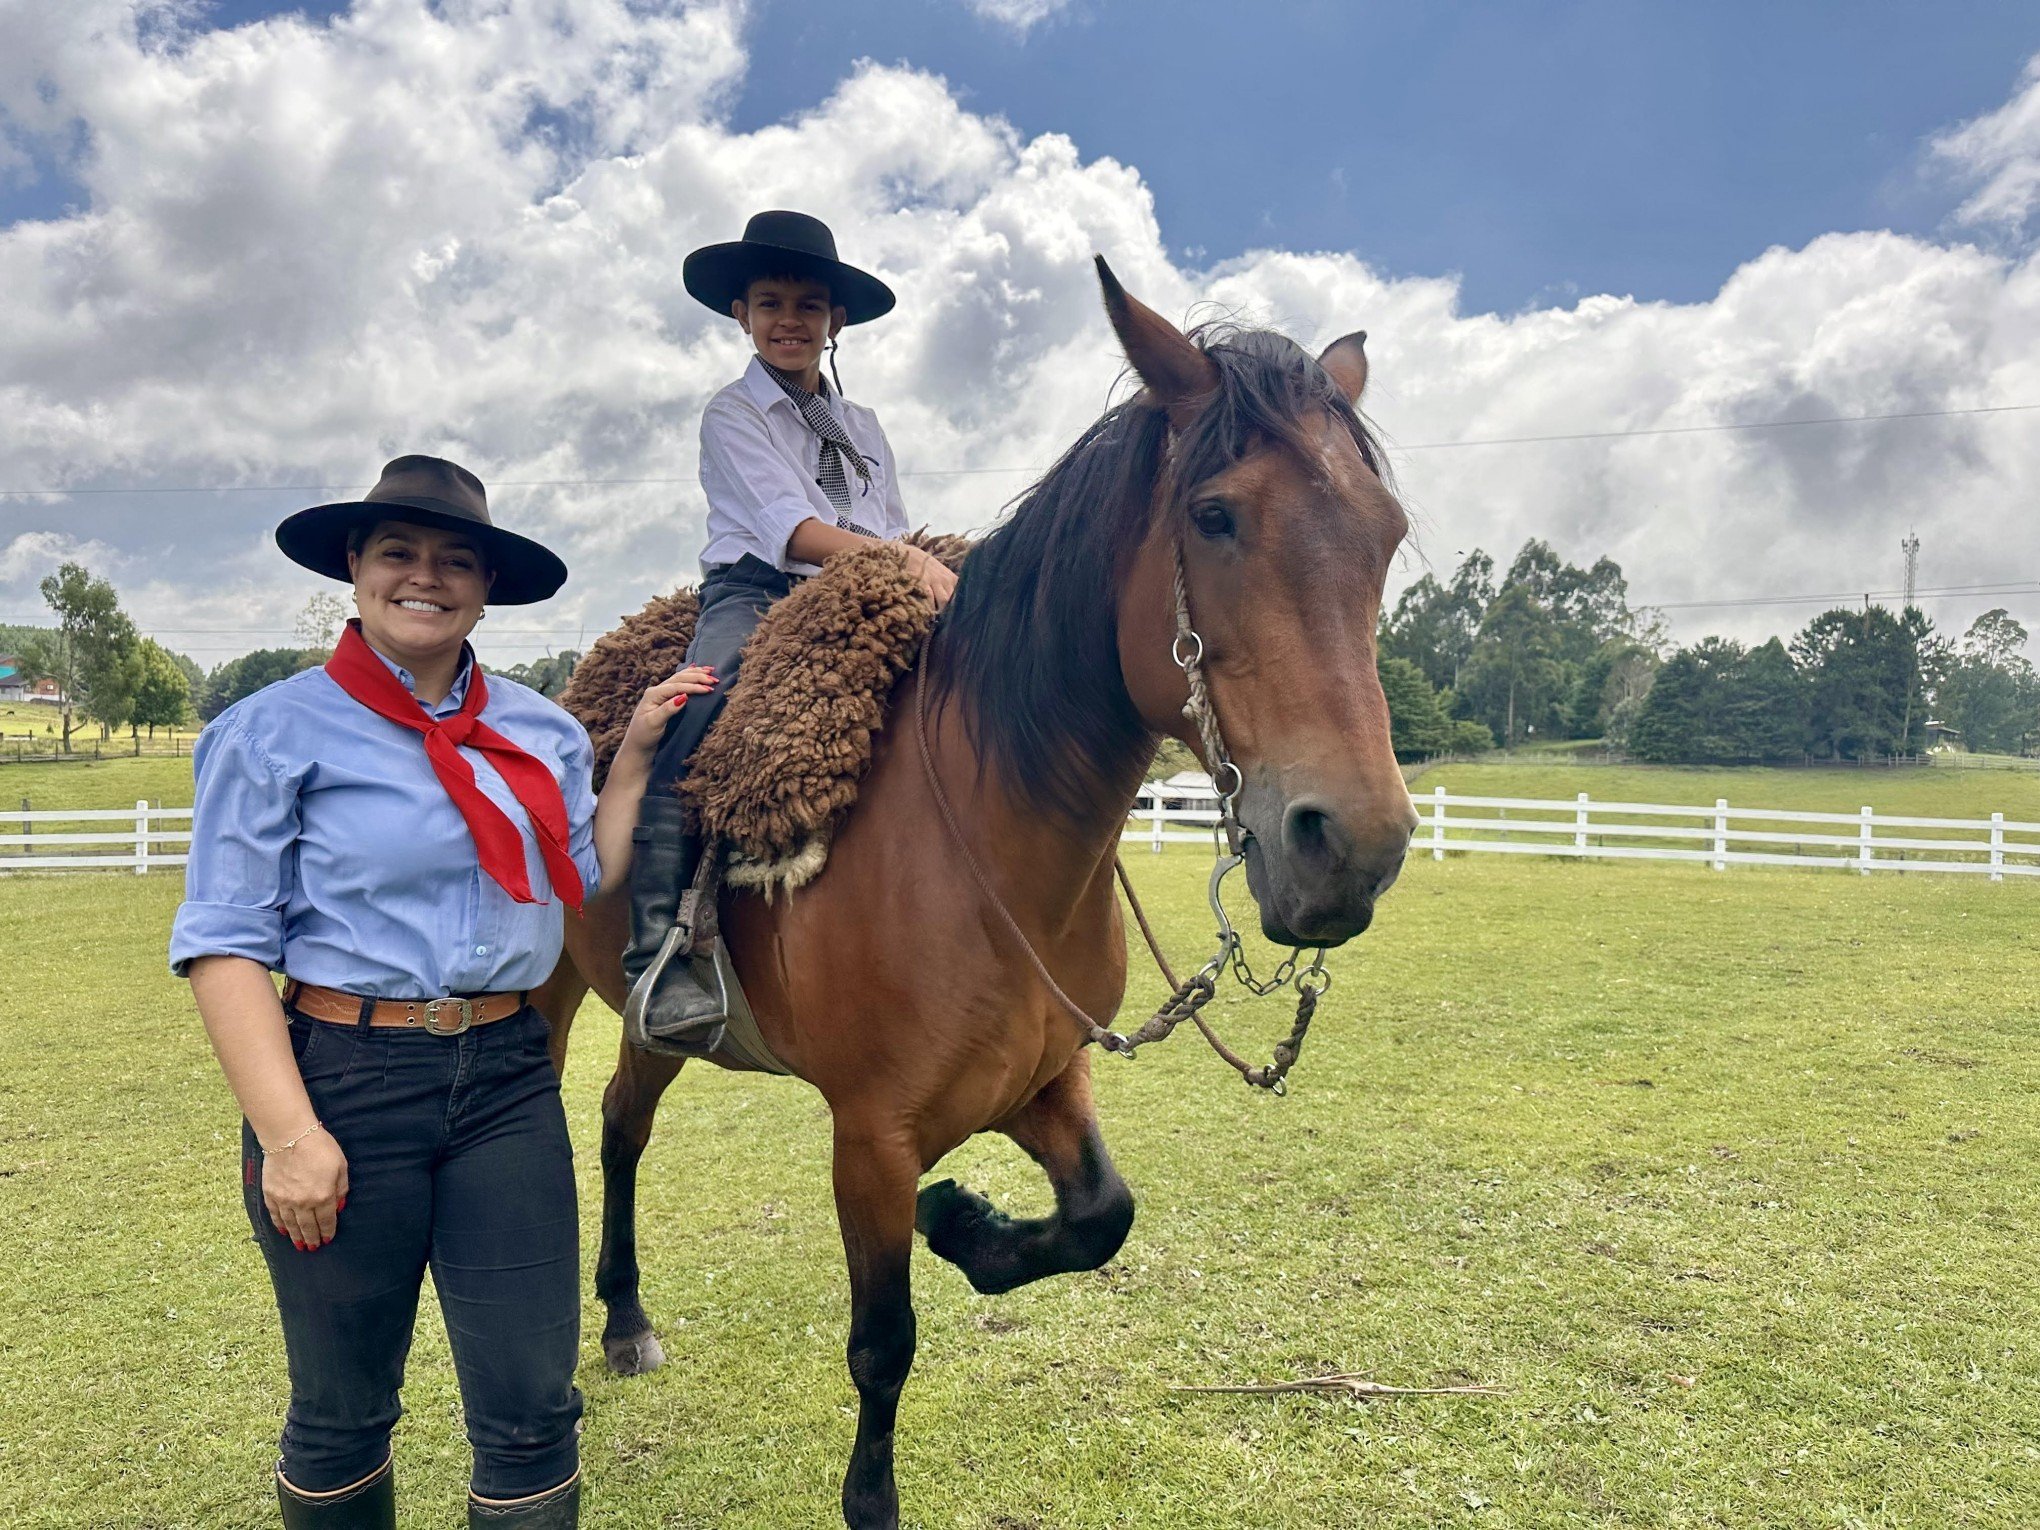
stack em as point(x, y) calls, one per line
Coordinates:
point(343, 1203)
point(679, 701)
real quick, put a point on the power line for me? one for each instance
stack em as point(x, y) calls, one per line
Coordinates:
point(959, 472)
point(1946, 592)
point(1692, 430)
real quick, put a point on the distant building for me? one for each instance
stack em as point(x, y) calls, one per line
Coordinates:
point(1942, 737)
point(16, 686)
point(1185, 790)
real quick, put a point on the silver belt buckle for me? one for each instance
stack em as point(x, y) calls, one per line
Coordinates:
point(432, 1023)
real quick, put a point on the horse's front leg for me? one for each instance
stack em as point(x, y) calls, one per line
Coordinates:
point(1093, 1208)
point(876, 1170)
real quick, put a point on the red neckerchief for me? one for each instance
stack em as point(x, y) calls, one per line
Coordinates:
point(357, 670)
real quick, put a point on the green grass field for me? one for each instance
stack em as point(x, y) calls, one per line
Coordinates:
point(1728, 1179)
point(32, 729)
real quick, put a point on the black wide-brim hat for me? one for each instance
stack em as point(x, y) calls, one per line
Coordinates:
point(784, 244)
point(426, 491)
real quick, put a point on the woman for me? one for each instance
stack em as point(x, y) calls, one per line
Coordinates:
point(396, 834)
point(793, 472)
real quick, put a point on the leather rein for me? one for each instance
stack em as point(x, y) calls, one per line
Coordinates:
point(1187, 999)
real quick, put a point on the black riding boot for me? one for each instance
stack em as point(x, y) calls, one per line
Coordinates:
point(676, 1003)
point(559, 1509)
point(368, 1505)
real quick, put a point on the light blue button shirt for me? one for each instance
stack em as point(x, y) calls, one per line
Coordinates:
point(323, 846)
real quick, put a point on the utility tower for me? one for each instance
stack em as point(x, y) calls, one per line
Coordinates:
point(1911, 545)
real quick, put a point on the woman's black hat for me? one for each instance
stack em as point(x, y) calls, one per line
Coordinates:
point(784, 244)
point(426, 491)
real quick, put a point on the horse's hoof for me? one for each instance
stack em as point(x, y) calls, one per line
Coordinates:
point(945, 1212)
point(636, 1355)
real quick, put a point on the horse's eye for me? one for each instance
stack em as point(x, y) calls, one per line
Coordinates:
point(1211, 518)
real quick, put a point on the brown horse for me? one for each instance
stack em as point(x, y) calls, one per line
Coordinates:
point(887, 983)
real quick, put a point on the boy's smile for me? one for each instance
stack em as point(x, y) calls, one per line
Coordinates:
point(791, 321)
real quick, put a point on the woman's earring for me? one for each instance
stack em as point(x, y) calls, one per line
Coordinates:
point(482, 615)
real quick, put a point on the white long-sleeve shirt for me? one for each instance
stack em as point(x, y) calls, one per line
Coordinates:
point(758, 466)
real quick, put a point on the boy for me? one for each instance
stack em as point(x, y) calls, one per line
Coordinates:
point(793, 472)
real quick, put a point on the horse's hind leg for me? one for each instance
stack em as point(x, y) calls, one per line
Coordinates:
point(628, 1105)
point(1058, 1128)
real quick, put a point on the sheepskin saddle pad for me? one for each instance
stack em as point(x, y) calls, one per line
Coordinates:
point(781, 767)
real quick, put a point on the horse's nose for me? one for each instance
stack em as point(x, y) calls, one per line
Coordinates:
point(1324, 848)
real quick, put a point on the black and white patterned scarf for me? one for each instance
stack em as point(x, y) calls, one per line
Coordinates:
point(837, 449)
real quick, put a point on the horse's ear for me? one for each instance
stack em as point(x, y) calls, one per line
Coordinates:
point(1179, 375)
point(1345, 362)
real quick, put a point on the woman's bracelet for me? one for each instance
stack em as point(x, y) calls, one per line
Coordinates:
point(285, 1147)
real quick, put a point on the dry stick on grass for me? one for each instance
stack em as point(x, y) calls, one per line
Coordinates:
point(1353, 1384)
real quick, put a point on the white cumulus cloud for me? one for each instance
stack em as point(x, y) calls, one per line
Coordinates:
point(1021, 15)
point(457, 228)
point(1999, 155)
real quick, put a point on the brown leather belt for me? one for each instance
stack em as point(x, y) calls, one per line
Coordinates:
point(442, 1017)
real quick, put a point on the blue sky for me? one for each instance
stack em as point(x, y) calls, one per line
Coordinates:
point(1470, 138)
point(1441, 138)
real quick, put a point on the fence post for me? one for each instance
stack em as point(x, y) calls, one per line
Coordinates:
point(1864, 842)
point(1579, 833)
point(1721, 834)
point(1997, 847)
point(141, 837)
point(1437, 823)
point(1156, 843)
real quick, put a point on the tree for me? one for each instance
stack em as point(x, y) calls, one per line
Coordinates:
point(1434, 625)
point(1716, 703)
point(1864, 675)
point(90, 646)
point(194, 677)
point(1418, 726)
point(1769, 705)
point(1679, 718)
point(1989, 690)
point(1627, 687)
point(318, 625)
point(548, 676)
point(1514, 677)
point(243, 677)
point(163, 698)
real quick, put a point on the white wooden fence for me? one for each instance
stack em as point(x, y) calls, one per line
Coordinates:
point(141, 838)
point(1720, 836)
point(133, 846)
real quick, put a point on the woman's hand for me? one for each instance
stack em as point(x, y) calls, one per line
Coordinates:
point(934, 575)
point(305, 1189)
point(661, 704)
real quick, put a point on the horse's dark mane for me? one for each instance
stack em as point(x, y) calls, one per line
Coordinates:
point(1030, 642)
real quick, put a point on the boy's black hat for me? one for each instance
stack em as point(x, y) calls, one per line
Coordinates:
point(784, 244)
point(428, 491)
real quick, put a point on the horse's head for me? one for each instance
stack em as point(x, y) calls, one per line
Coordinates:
point(1270, 488)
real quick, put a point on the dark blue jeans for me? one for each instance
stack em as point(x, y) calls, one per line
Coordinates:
point(458, 1162)
point(734, 599)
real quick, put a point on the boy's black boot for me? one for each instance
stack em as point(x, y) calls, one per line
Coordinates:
point(676, 1000)
point(662, 858)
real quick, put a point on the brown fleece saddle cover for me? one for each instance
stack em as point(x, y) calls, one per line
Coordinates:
point(781, 767)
